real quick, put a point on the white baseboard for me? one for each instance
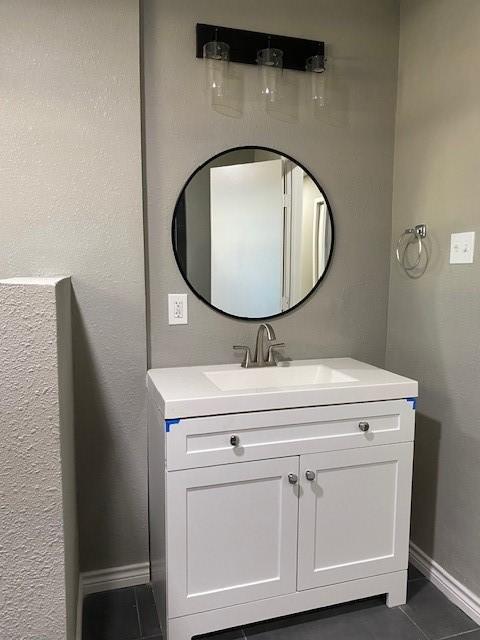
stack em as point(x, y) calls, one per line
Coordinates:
point(114, 578)
point(454, 590)
point(107, 579)
point(134, 574)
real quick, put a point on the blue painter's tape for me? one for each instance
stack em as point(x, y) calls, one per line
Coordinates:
point(413, 402)
point(170, 422)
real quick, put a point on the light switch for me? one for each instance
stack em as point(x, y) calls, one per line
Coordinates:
point(177, 308)
point(462, 246)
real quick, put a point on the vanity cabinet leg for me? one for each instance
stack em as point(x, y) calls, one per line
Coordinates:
point(398, 592)
point(178, 631)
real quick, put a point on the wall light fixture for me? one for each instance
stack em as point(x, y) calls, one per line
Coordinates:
point(247, 47)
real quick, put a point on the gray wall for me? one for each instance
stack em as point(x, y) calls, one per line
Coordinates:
point(352, 160)
point(433, 327)
point(71, 203)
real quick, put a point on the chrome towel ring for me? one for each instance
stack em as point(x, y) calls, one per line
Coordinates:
point(414, 235)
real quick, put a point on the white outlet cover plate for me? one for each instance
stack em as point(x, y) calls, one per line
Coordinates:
point(462, 246)
point(177, 308)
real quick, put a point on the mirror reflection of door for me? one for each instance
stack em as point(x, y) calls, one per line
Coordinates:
point(246, 220)
point(252, 233)
point(306, 234)
point(319, 238)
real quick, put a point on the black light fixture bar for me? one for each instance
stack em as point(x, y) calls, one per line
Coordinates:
point(245, 44)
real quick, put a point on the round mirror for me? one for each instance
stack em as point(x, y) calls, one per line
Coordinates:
point(252, 233)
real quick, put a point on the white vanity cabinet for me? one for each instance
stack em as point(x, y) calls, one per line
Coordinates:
point(265, 513)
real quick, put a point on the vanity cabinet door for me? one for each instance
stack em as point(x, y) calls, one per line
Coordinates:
point(354, 514)
point(231, 534)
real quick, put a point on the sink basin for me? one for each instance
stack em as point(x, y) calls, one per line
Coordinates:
point(276, 377)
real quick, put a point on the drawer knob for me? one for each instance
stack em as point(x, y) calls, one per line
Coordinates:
point(292, 478)
point(310, 475)
point(234, 441)
point(363, 426)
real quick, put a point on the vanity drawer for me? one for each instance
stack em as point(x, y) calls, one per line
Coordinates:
point(200, 442)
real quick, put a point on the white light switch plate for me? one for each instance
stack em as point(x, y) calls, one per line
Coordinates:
point(177, 308)
point(462, 246)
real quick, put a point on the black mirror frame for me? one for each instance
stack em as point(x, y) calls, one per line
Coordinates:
point(332, 233)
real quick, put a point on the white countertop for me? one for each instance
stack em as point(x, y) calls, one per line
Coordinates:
point(182, 392)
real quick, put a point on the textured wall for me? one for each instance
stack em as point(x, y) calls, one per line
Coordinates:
point(351, 155)
point(71, 202)
point(38, 555)
point(433, 326)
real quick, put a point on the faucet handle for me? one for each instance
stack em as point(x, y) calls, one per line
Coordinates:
point(247, 361)
point(271, 358)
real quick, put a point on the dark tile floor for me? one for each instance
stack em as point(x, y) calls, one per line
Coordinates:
point(129, 614)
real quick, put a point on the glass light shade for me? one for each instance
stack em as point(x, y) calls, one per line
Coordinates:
point(318, 89)
point(270, 61)
point(316, 66)
point(270, 57)
point(215, 50)
point(216, 55)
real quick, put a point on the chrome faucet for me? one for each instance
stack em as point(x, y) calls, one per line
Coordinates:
point(263, 329)
point(259, 360)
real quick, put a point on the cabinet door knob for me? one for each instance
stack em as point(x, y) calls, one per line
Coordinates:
point(292, 478)
point(363, 426)
point(310, 475)
point(234, 441)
